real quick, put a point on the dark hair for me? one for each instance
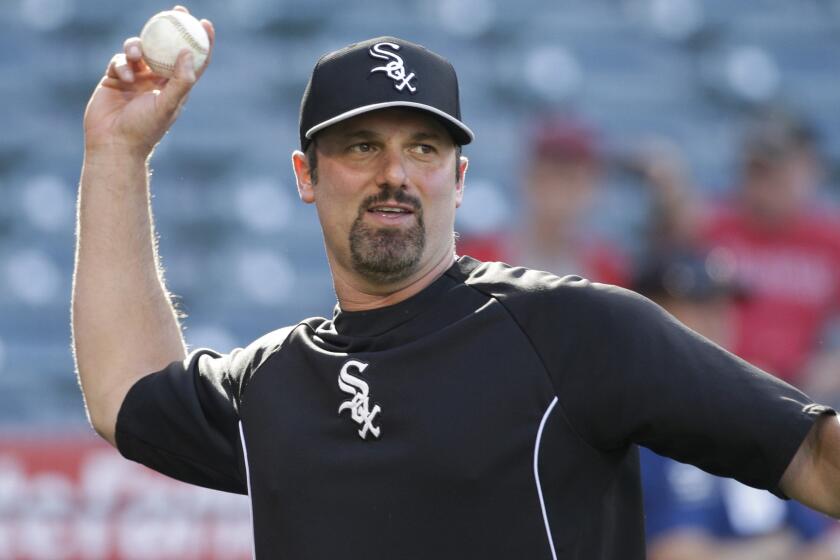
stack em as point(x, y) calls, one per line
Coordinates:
point(773, 134)
point(312, 160)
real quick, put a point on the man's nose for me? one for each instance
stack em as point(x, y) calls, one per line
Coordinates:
point(392, 171)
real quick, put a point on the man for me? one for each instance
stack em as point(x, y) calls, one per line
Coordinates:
point(784, 244)
point(450, 408)
point(787, 251)
point(561, 178)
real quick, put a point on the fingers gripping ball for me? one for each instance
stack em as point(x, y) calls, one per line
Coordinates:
point(168, 33)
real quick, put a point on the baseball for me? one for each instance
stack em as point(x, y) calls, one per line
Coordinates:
point(168, 33)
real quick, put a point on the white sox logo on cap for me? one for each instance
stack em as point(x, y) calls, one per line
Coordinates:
point(359, 405)
point(395, 69)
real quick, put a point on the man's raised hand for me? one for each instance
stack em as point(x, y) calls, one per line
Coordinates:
point(132, 108)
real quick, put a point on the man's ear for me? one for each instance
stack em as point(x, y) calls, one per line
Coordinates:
point(303, 175)
point(459, 187)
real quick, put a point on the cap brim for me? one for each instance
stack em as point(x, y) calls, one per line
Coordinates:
point(461, 132)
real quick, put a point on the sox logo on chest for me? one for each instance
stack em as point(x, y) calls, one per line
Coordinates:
point(359, 405)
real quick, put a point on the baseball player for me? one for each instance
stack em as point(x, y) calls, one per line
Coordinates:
point(448, 408)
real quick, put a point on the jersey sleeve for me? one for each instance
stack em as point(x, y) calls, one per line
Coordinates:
point(625, 371)
point(183, 421)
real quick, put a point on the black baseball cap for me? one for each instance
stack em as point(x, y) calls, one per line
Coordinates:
point(376, 74)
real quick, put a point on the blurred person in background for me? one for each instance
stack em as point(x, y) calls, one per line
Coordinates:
point(690, 514)
point(784, 247)
point(561, 181)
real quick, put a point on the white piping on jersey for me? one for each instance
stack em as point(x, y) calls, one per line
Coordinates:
point(250, 498)
point(537, 476)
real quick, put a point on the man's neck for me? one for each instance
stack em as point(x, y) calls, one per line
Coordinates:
point(357, 294)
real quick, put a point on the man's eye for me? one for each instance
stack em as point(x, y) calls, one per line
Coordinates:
point(424, 149)
point(362, 147)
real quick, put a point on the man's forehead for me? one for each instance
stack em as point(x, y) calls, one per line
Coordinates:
point(388, 121)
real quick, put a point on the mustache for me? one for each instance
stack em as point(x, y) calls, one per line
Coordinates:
point(387, 194)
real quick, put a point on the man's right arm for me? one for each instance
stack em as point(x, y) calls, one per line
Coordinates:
point(124, 324)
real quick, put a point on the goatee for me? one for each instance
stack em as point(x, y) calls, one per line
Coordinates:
point(387, 254)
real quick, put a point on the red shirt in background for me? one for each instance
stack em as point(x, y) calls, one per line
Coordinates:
point(594, 259)
point(792, 281)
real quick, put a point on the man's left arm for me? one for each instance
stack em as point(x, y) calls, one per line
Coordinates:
point(813, 475)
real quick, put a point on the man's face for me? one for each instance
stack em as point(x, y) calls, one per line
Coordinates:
point(386, 194)
point(560, 191)
point(776, 191)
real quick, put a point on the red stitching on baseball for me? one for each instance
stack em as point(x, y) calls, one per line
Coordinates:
point(185, 34)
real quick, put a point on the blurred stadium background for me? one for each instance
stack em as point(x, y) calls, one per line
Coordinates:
point(226, 206)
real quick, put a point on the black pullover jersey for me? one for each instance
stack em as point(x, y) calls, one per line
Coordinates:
point(493, 415)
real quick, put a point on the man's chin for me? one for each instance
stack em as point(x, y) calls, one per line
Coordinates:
point(385, 268)
point(386, 255)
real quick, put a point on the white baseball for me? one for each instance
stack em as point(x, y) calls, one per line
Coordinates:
point(168, 33)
